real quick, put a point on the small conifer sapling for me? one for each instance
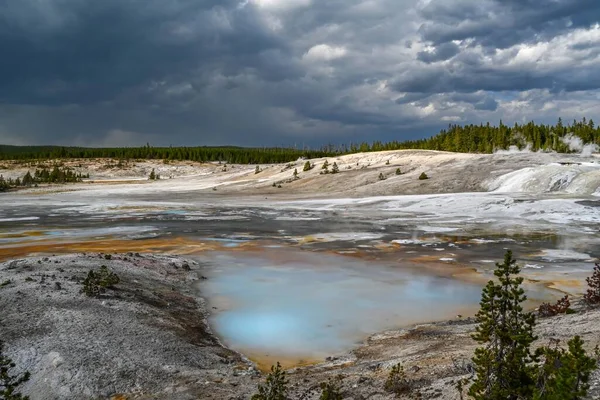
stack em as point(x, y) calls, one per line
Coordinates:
point(275, 387)
point(397, 382)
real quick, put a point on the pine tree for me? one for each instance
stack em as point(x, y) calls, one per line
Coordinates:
point(10, 383)
point(27, 179)
point(397, 381)
point(325, 165)
point(564, 375)
point(334, 168)
point(152, 176)
point(423, 176)
point(398, 172)
point(503, 365)
point(257, 170)
point(275, 388)
point(307, 166)
point(295, 173)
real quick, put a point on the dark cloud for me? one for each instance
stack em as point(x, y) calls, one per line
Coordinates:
point(99, 49)
point(441, 79)
point(441, 53)
point(273, 72)
point(503, 23)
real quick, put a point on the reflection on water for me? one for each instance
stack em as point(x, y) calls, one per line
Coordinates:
point(314, 305)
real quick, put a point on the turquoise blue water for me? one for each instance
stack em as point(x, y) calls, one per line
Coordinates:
point(295, 305)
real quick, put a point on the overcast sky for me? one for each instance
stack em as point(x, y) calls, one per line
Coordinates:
point(303, 72)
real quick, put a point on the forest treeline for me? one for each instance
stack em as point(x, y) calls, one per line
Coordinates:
point(464, 139)
point(44, 175)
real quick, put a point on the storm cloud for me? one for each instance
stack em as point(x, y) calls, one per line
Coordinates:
point(288, 72)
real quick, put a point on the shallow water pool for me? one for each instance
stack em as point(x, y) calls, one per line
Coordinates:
point(295, 307)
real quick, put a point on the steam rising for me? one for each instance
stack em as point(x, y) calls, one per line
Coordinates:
point(576, 144)
point(514, 150)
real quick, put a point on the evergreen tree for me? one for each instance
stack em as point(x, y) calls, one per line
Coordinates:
point(295, 173)
point(3, 184)
point(334, 168)
point(325, 165)
point(307, 166)
point(398, 172)
point(152, 176)
point(275, 388)
point(564, 375)
point(423, 176)
point(27, 179)
point(257, 170)
point(503, 364)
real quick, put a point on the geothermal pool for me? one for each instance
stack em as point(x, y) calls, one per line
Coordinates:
point(297, 281)
point(298, 306)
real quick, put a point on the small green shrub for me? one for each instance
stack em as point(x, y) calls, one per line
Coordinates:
point(97, 282)
point(398, 172)
point(325, 165)
point(423, 176)
point(397, 382)
point(10, 383)
point(307, 166)
point(153, 175)
point(334, 168)
point(381, 176)
point(275, 387)
point(330, 390)
point(5, 283)
point(257, 170)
